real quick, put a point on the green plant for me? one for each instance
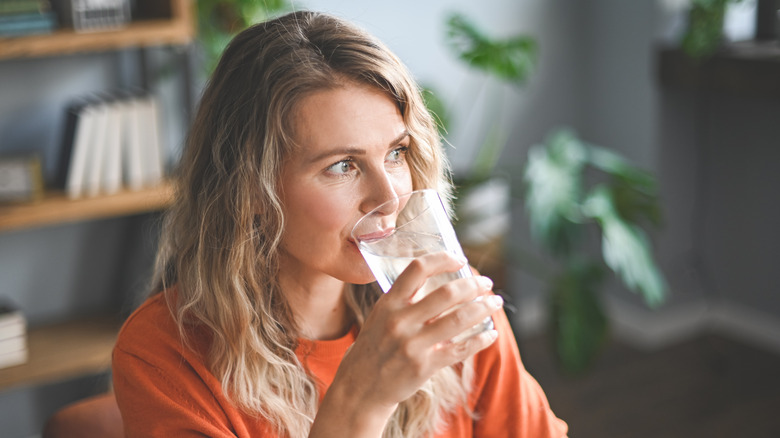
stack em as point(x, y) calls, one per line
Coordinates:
point(511, 60)
point(571, 190)
point(704, 34)
point(563, 207)
point(221, 20)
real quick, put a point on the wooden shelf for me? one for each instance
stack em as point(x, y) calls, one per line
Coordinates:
point(64, 351)
point(57, 208)
point(176, 28)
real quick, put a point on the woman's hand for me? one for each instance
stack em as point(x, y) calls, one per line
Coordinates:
point(402, 344)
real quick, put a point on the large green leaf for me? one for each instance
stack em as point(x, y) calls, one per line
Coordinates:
point(553, 186)
point(511, 59)
point(625, 247)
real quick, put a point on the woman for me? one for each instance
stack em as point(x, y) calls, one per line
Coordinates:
point(265, 321)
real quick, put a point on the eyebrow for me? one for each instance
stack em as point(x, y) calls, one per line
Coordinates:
point(354, 151)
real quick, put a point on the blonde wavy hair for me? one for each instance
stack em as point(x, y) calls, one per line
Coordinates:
point(219, 252)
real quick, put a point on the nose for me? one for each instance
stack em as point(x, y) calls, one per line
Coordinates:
point(381, 193)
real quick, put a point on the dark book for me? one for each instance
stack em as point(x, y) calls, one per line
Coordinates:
point(72, 116)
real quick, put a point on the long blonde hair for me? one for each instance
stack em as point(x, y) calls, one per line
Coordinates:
point(220, 241)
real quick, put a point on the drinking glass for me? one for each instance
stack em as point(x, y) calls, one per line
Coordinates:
point(395, 233)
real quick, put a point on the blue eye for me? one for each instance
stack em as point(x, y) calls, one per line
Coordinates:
point(397, 155)
point(341, 168)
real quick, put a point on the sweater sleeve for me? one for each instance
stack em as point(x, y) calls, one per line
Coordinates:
point(161, 389)
point(509, 402)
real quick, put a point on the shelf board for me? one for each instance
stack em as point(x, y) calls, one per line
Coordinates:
point(56, 207)
point(65, 41)
point(64, 351)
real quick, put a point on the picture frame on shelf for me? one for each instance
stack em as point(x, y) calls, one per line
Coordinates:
point(21, 178)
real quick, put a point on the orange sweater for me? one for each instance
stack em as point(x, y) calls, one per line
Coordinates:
point(165, 390)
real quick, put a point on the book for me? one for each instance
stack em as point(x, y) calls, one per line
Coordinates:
point(27, 24)
point(73, 115)
point(132, 146)
point(14, 344)
point(93, 176)
point(13, 358)
point(13, 336)
point(110, 142)
point(81, 152)
point(111, 177)
point(151, 152)
point(12, 321)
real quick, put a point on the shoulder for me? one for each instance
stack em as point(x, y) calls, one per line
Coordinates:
point(152, 335)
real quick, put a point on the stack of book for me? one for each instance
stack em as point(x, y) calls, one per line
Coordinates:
point(13, 336)
point(110, 143)
point(26, 17)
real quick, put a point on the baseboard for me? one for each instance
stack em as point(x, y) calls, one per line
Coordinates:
point(653, 329)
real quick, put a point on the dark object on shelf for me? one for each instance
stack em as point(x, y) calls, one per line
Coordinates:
point(91, 15)
point(21, 178)
point(750, 68)
point(767, 19)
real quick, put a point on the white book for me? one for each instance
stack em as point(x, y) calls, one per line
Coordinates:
point(12, 322)
point(132, 145)
point(151, 154)
point(12, 345)
point(111, 175)
point(97, 149)
point(13, 358)
point(75, 184)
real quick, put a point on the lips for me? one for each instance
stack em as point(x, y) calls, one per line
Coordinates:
point(376, 235)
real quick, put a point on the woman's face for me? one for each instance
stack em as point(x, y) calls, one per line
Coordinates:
point(351, 157)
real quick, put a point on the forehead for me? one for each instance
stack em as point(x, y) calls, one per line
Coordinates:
point(352, 115)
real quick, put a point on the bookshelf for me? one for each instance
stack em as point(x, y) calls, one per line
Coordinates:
point(55, 208)
point(159, 23)
point(64, 350)
point(82, 346)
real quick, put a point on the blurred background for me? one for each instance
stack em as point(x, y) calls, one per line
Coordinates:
point(691, 347)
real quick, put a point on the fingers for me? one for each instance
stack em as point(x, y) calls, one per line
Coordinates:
point(422, 268)
point(450, 295)
point(453, 352)
point(460, 319)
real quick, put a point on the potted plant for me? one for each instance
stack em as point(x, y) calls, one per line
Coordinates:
point(571, 190)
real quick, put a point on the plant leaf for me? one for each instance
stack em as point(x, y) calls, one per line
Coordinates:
point(552, 180)
point(625, 248)
point(510, 59)
point(634, 190)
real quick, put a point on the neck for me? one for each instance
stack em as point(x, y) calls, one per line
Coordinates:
point(319, 307)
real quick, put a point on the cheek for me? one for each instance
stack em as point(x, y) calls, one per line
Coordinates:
point(316, 212)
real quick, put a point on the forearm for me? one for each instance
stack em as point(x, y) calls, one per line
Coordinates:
point(342, 413)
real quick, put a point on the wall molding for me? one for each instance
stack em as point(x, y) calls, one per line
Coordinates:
point(655, 329)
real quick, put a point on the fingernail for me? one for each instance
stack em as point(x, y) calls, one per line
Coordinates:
point(493, 335)
point(485, 282)
point(495, 301)
point(461, 259)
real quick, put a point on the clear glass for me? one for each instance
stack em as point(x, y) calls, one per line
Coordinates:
point(402, 229)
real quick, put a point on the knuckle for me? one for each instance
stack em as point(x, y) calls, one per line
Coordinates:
point(449, 293)
point(459, 316)
point(417, 265)
point(394, 326)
